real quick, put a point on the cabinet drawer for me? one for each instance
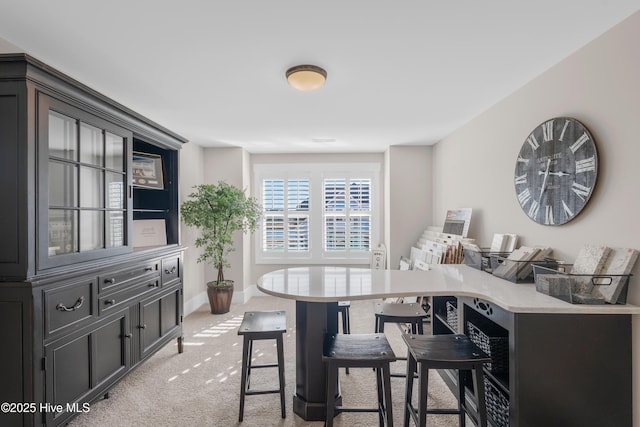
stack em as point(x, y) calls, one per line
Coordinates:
point(170, 269)
point(113, 280)
point(69, 305)
point(109, 302)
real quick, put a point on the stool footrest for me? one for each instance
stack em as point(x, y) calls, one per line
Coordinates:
point(349, 409)
point(252, 392)
point(402, 376)
point(443, 411)
point(435, 410)
point(270, 365)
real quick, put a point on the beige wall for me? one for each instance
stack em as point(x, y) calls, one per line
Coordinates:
point(209, 166)
point(600, 86)
point(191, 173)
point(226, 164)
point(408, 210)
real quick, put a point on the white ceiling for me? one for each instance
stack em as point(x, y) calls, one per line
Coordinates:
point(399, 72)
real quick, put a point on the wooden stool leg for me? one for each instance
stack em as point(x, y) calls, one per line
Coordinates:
point(461, 400)
point(348, 316)
point(478, 386)
point(346, 327)
point(332, 373)
point(250, 354)
point(408, 394)
point(280, 348)
point(423, 386)
point(388, 403)
point(380, 388)
point(245, 367)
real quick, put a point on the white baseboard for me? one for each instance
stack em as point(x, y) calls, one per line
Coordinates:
point(195, 303)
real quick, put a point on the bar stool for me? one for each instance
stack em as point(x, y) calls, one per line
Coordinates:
point(343, 309)
point(400, 313)
point(359, 351)
point(262, 325)
point(444, 352)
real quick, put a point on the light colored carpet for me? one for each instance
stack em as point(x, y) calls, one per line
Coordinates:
point(201, 386)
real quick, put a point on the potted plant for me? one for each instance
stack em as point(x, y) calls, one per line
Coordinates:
point(217, 211)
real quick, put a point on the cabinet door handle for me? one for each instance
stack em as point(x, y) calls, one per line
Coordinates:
point(109, 280)
point(142, 326)
point(77, 305)
point(173, 270)
point(148, 269)
point(109, 302)
point(153, 285)
point(128, 335)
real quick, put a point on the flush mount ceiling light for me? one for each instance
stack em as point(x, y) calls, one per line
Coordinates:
point(306, 78)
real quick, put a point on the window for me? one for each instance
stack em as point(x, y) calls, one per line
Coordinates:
point(286, 215)
point(317, 213)
point(347, 214)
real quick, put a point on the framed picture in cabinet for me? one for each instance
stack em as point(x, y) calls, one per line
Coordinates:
point(146, 171)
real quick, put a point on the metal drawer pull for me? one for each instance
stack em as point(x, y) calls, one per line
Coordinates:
point(77, 305)
point(148, 269)
point(128, 335)
point(173, 270)
point(153, 285)
point(109, 302)
point(109, 280)
point(142, 327)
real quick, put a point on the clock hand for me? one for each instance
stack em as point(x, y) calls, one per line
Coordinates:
point(560, 173)
point(544, 180)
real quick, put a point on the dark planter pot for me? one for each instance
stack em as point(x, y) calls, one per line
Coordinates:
point(220, 296)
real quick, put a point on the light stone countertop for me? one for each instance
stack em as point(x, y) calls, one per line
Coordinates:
point(330, 284)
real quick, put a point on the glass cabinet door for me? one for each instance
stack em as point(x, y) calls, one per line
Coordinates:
point(87, 173)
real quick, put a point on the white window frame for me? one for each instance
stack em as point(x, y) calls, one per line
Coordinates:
point(317, 173)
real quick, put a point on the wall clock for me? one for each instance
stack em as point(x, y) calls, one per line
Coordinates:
point(556, 171)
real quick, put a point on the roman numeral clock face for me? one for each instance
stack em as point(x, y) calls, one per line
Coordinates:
point(556, 171)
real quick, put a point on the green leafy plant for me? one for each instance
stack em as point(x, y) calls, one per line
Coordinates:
point(218, 211)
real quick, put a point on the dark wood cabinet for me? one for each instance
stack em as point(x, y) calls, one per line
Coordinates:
point(80, 304)
point(78, 364)
point(558, 369)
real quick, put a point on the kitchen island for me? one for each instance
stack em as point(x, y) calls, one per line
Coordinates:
point(566, 364)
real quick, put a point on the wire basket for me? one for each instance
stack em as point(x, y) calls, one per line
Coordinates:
point(496, 347)
point(497, 404)
point(452, 316)
point(582, 288)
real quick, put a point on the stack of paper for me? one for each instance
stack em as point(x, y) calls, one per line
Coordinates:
point(620, 261)
point(590, 261)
